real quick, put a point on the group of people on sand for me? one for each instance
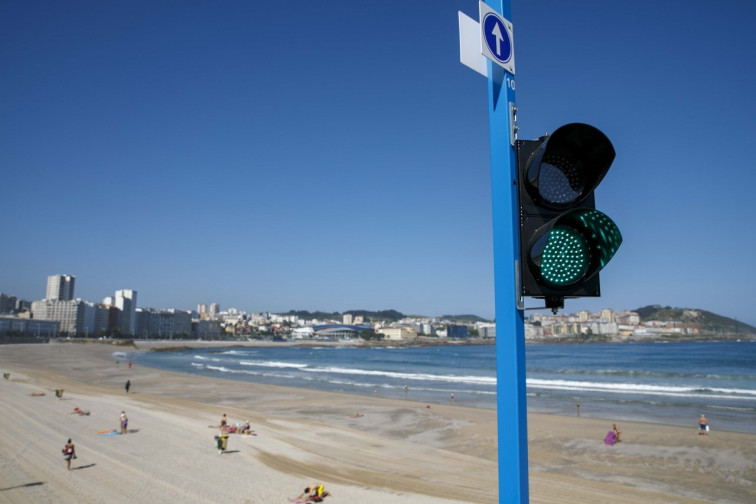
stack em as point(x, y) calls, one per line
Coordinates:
point(225, 428)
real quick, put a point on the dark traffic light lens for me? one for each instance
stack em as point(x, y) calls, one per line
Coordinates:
point(568, 166)
point(559, 181)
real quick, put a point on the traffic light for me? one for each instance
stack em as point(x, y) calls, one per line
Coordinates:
point(564, 240)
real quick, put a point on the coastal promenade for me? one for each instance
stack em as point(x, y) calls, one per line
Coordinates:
point(364, 449)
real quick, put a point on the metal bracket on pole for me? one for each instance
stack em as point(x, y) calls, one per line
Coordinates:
point(518, 286)
point(512, 141)
point(513, 124)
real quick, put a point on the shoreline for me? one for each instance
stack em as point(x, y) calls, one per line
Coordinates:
point(395, 451)
point(420, 341)
point(681, 417)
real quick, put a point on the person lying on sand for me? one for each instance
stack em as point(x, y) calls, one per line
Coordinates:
point(77, 411)
point(312, 493)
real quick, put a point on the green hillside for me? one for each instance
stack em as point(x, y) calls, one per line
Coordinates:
point(710, 323)
point(383, 315)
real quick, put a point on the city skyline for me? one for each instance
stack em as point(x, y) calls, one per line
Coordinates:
point(299, 156)
point(125, 301)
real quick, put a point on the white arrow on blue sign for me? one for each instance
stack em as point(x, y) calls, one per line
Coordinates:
point(496, 38)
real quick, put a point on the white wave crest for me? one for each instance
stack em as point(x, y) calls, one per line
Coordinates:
point(635, 388)
point(478, 380)
point(273, 364)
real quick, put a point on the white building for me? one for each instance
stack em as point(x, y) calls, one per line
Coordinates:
point(60, 287)
point(76, 317)
point(126, 301)
point(487, 330)
point(303, 333)
point(607, 316)
point(163, 323)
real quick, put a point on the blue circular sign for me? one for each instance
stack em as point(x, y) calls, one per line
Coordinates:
point(497, 38)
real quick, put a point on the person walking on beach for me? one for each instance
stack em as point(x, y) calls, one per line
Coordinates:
point(128, 385)
point(69, 452)
point(703, 426)
point(124, 421)
point(224, 424)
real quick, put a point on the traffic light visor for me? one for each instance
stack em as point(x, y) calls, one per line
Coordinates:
point(568, 165)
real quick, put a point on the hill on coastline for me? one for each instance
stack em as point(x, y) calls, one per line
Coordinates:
point(465, 319)
point(382, 315)
point(710, 323)
point(387, 315)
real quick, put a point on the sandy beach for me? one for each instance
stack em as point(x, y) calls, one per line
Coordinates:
point(366, 450)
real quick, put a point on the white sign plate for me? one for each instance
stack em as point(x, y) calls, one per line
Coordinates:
point(469, 45)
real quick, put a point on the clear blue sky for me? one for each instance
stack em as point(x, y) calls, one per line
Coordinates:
point(335, 155)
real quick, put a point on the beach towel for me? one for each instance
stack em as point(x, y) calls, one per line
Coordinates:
point(610, 438)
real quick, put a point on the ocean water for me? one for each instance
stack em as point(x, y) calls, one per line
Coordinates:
point(655, 382)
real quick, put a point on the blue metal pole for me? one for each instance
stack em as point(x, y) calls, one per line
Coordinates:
point(510, 329)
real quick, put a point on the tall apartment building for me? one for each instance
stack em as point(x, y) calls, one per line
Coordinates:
point(60, 287)
point(126, 301)
point(163, 323)
point(7, 303)
point(607, 316)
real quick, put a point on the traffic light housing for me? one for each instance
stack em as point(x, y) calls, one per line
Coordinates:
point(564, 240)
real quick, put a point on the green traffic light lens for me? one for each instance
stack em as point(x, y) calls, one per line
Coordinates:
point(566, 256)
point(578, 245)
